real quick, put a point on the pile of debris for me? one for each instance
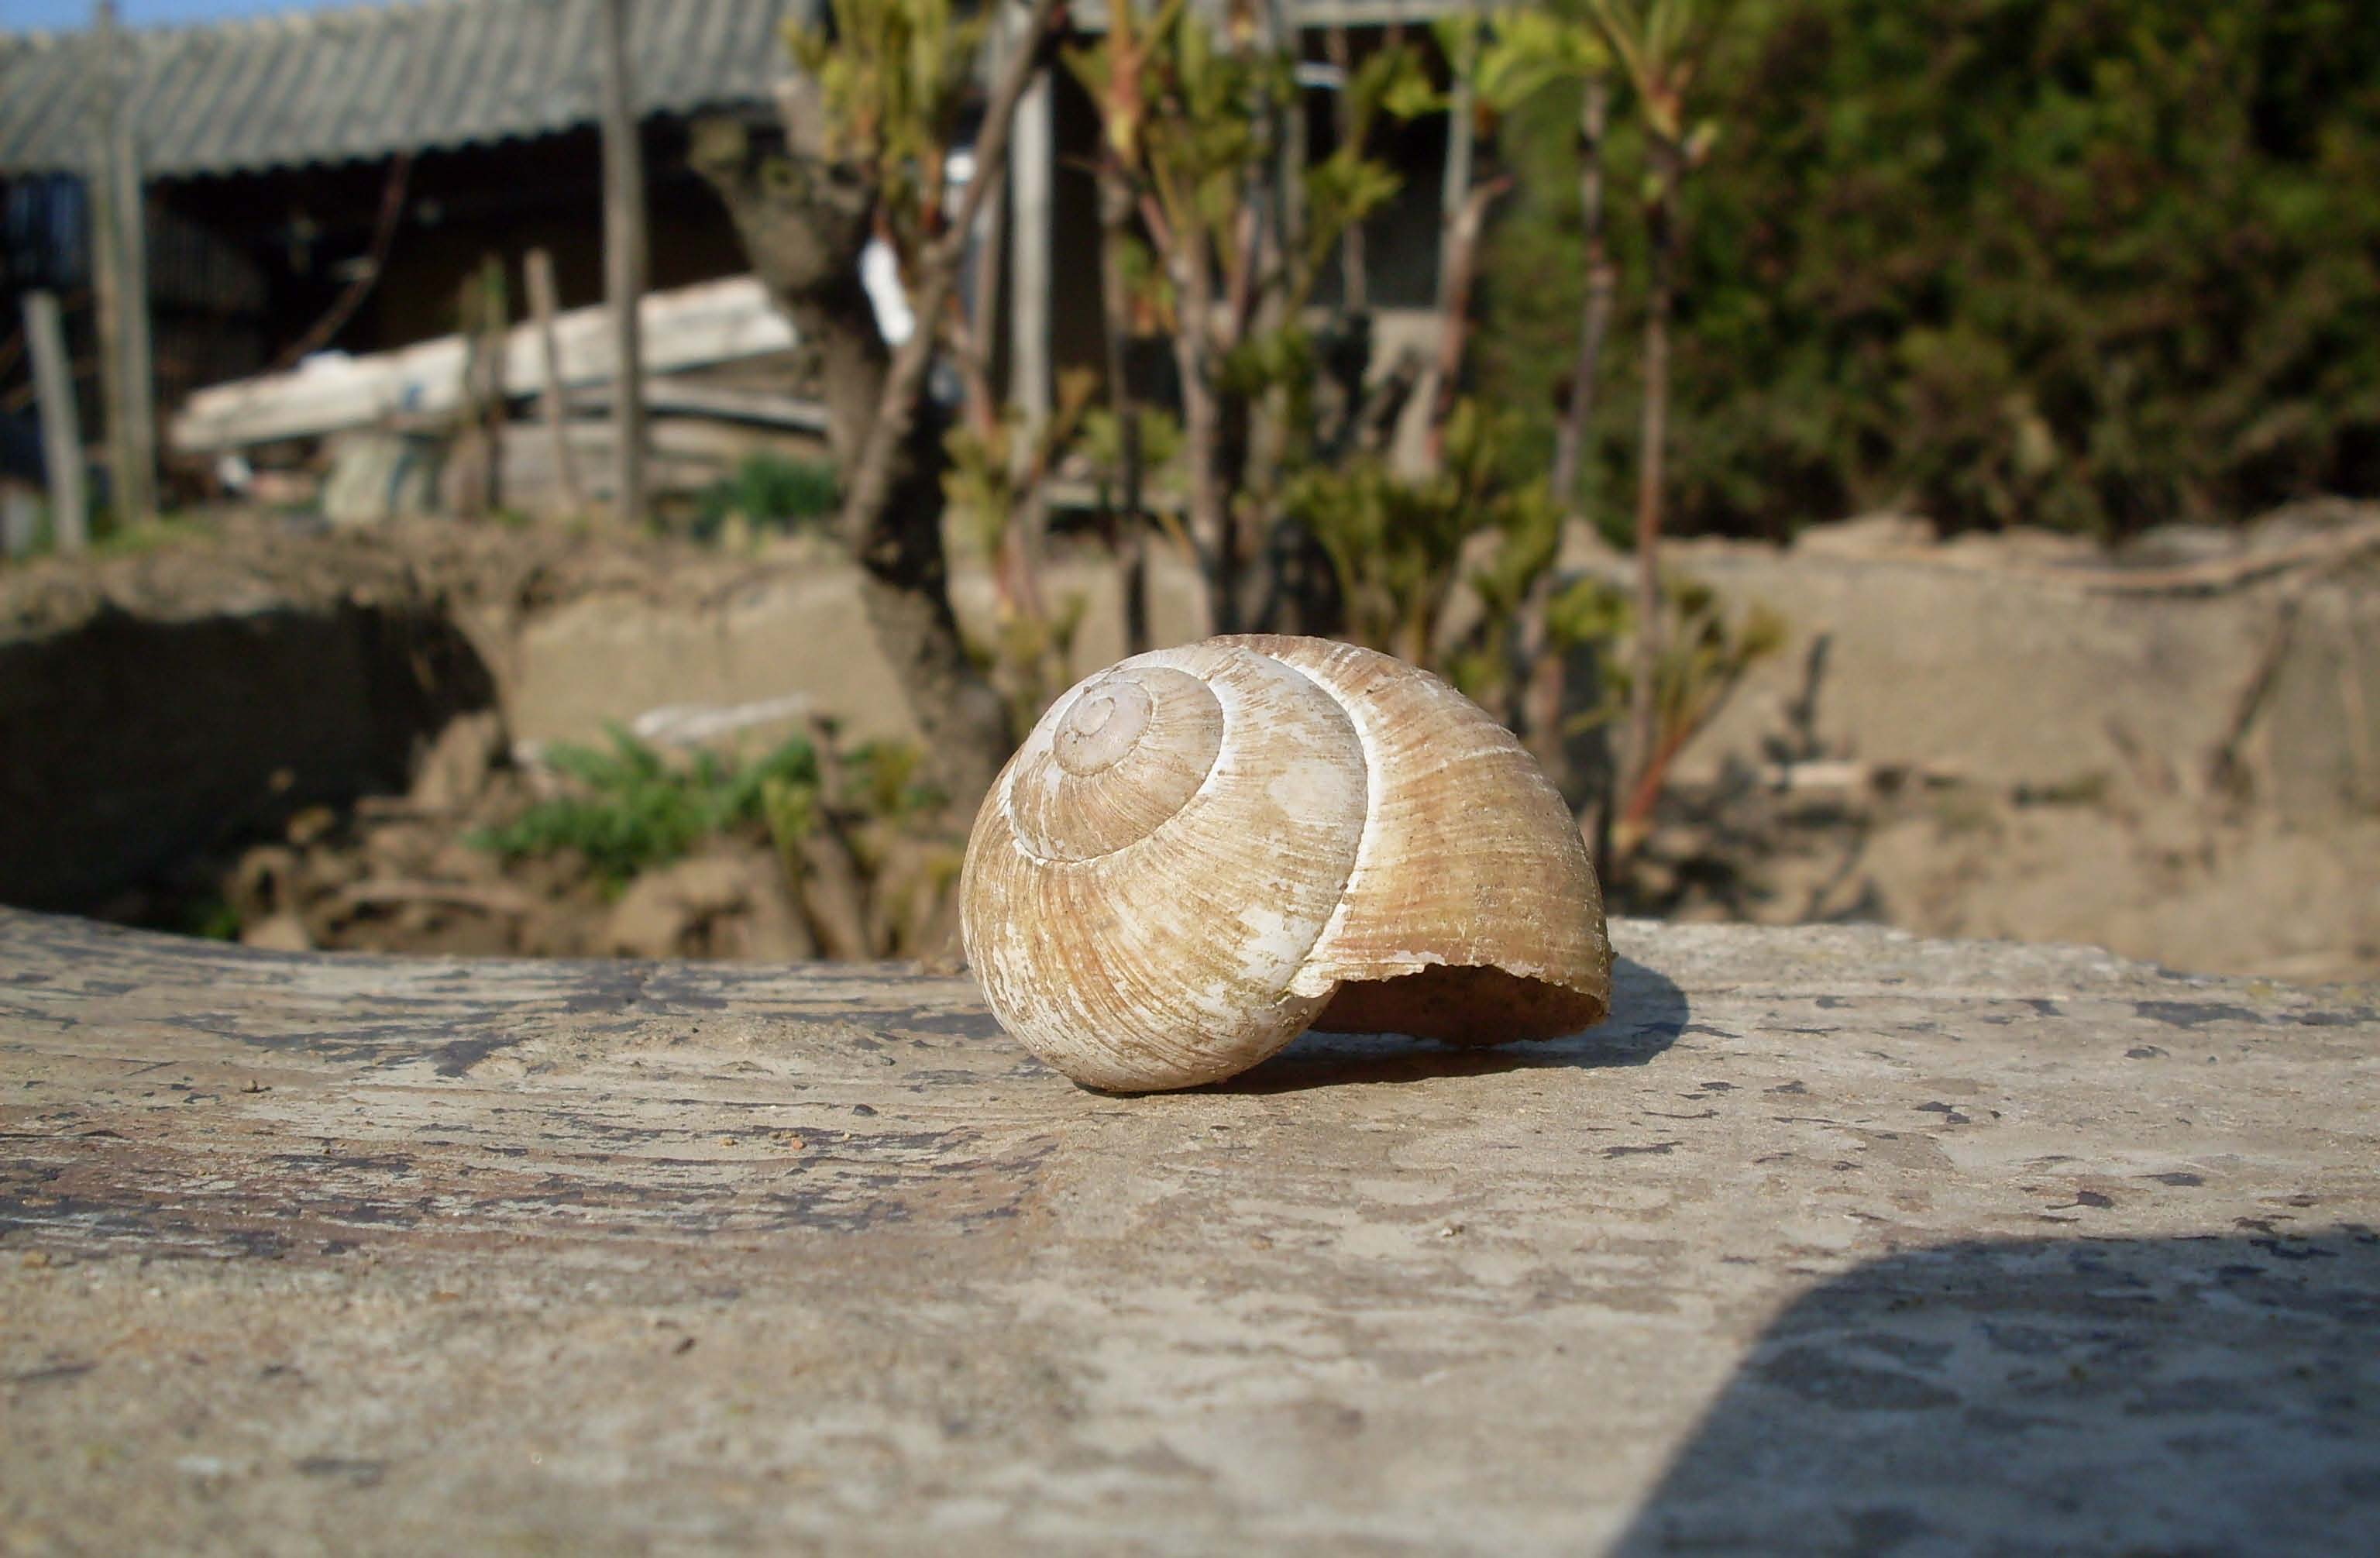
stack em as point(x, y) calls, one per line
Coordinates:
point(425, 873)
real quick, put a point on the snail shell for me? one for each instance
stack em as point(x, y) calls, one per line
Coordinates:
point(1200, 853)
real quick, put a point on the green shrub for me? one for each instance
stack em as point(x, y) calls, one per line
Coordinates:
point(1397, 545)
point(2089, 264)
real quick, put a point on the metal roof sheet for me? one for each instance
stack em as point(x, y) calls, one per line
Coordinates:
point(1092, 16)
point(350, 84)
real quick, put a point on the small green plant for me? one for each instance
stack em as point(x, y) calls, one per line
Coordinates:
point(633, 808)
point(860, 833)
point(112, 536)
point(1195, 125)
point(998, 480)
point(212, 918)
point(1102, 451)
point(167, 529)
point(790, 810)
point(896, 76)
point(766, 490)
point(887, 781)
point(1703, 652)
point(1399, 547)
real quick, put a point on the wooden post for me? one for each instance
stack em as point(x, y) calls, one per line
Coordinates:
point(139, 353)
point(1355, 291)
point(61, 436)
point(106, 269)
point(555, 401)
point(1595, 318)
point(1031, 233)
point(624, 262)
point(1282, 33)
point(1454, 205)
point(982, 355)
point(1029, 153)
point(990, 240)
point(1461, 140)
point(476, 451)
point(119, 281)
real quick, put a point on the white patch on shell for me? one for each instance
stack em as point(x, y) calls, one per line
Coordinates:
point(1312, 788)
point(1278, 946)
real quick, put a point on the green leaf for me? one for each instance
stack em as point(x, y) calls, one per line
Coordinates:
point(1409, 95)
point(1532, 50)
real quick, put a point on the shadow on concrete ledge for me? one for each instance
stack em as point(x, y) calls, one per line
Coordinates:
point(1648, 1012)
point(2210, 1394)
point(132, 742)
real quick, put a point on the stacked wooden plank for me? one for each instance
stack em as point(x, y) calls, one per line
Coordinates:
point(691, 327)
point(717, 358)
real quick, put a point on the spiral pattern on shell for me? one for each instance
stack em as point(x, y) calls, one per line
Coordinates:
point(1199, 853)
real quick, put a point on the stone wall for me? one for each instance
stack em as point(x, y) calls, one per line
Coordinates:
point(2012, 678)
point(1947, 658)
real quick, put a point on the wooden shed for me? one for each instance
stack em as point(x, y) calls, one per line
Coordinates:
point(331, 178)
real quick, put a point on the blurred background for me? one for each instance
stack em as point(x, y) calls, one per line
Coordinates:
point(1913, 461)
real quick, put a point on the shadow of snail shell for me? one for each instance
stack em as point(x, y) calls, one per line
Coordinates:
point(1200, 853)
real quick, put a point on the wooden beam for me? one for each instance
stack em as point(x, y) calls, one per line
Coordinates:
point(724, 403)
point(624, 259)
point(61, 433)
point(712, 322)
point(569, 496)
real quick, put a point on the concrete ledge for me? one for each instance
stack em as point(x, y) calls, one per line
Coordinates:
point(1833, 1239)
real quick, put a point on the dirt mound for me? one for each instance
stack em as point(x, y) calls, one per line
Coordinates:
point(178, 700)
point(240, 563)
point(440, 870)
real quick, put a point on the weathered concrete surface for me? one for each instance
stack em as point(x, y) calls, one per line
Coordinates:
point(793, 625)
point(1953, 660)
point(1831, 1240)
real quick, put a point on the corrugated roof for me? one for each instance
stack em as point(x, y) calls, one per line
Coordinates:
point(342, 85)
point(1092, 16)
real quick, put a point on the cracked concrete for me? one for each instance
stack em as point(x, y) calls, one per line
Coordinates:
point(1831, 1240)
